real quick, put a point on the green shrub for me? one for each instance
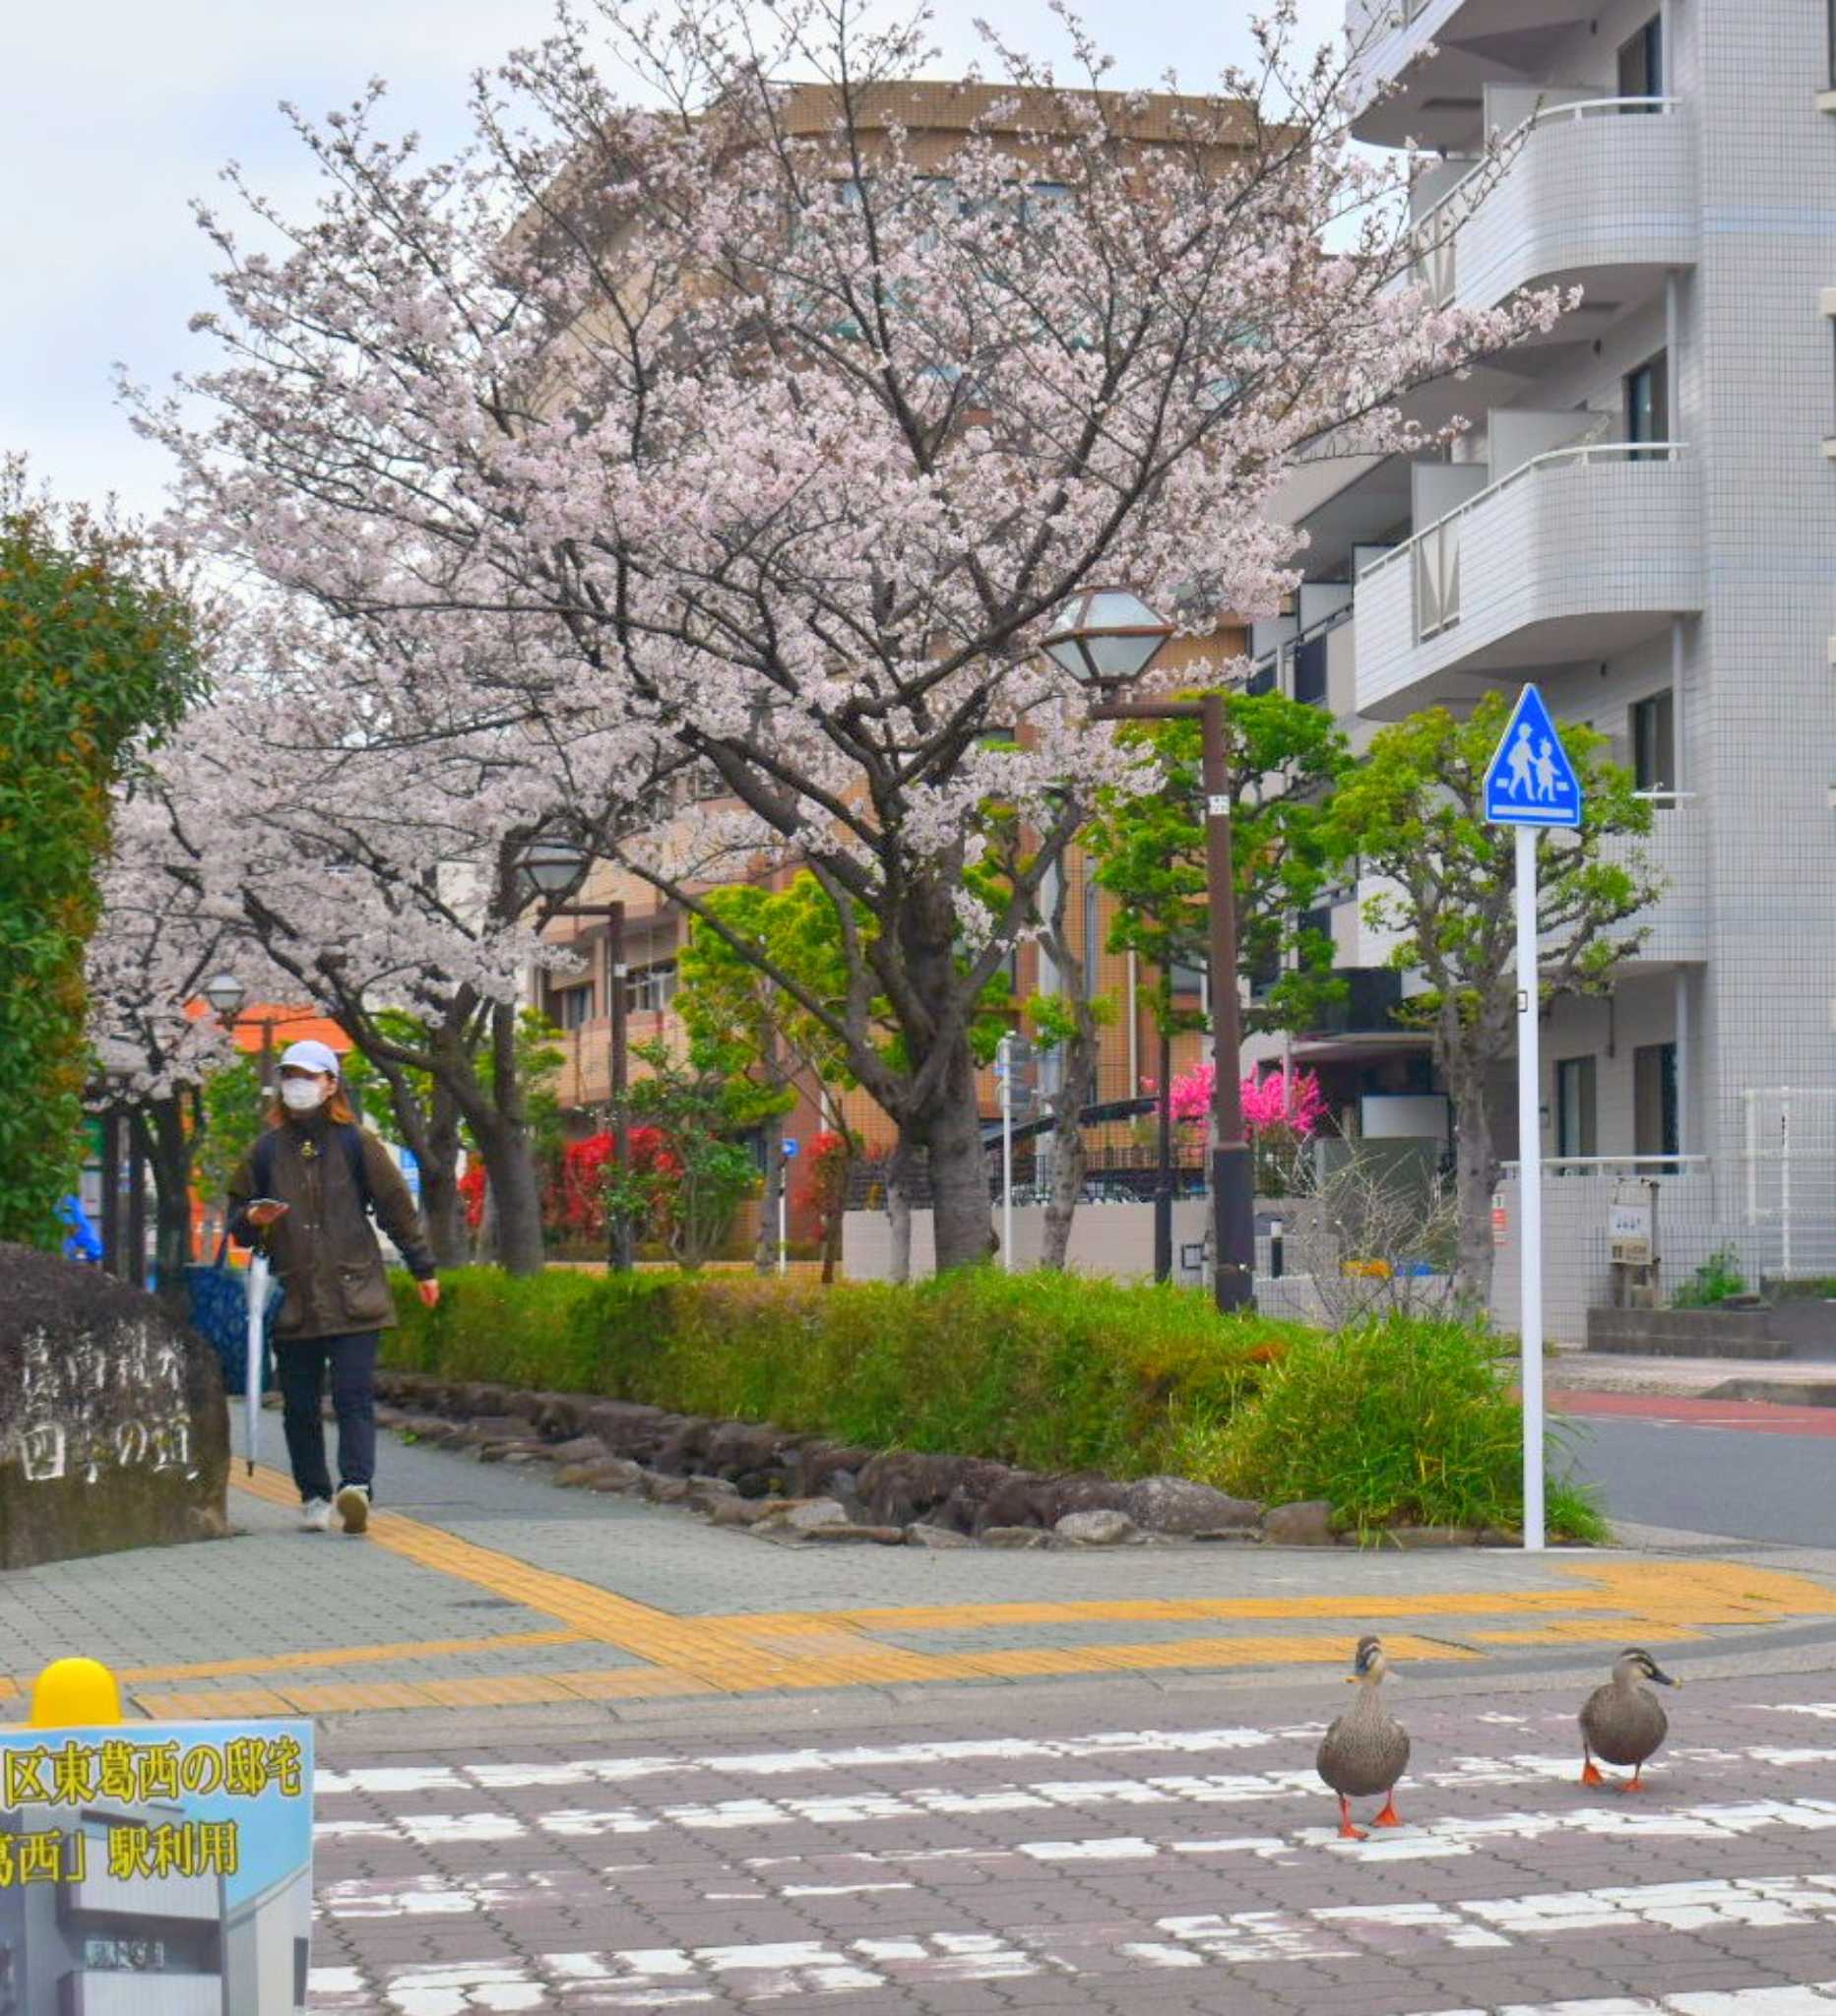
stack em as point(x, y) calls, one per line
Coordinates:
point(1041, 1370)
point(1717, 1279)
point(1410, 1422)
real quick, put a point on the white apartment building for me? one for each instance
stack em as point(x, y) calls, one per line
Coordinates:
point(1642, 519)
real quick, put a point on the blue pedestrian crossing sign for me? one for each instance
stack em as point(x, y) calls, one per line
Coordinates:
point(1531, 781)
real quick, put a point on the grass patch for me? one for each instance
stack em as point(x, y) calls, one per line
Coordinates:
point(1402, 1421)
point(1406, 1422)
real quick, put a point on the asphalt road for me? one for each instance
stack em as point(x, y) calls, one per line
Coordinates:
point(1744, 1482)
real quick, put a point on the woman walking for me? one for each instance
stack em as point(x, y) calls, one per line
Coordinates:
point(306, 1193)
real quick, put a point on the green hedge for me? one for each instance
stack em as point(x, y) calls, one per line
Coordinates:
point(1409, 1422)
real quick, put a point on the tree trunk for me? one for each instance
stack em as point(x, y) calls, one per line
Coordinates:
point(441, 1204)
point(900, 1174)
point(961, 1209)
point(513, 1200)
point(1068, 1163)
point(765, 1246)
point(834, 1224)
point(168, 1149)
point(1476, 1177)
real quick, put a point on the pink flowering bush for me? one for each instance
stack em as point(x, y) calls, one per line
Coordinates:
point(1281, 1111)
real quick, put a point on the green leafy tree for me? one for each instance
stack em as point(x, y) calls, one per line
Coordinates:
point(230, 1123)
point(97, 659)
point(1283, 759)
point(1413, 812)
point(685, 1194)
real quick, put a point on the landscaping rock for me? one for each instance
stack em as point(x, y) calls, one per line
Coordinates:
point(580, 1449)
point(516, 1454)
point(659, 1489)
point(940, 1539)
point(1431, 1536)
point(1097, 1529)
point(706, 1491)
point(685, 1449)
point(1084, 1491)
point(739, 1511)
point(621, 1424)
point(1176, 1504)
point(735, 1449)
point(1015, 1537)
point(615, 1474)
point(479, 1401)
point(864, 1536)
point(804, 1515)
point(483, 1429)
point(1023, 1498)
point(1220, 1536)
point(432, 1430)
point(901, 1485)
point(113, 1430)
point(1306, 1524)
point(829, 1468)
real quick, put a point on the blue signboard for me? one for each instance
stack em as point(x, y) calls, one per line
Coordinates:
point(789, 1145)
point(1530, 780)
point(185, 1845)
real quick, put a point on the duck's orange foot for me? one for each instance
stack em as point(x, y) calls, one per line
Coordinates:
point(1590, 1774)
point(1346, 1832)
point(1630, 1784)
point(1389, 1817)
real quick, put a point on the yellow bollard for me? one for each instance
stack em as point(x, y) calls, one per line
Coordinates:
point(75, 1693)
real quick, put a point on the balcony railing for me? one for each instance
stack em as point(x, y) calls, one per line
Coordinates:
point(1440, 229)
point(1434, 553)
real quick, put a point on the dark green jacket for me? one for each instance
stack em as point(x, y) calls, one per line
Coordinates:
point(325, 1254)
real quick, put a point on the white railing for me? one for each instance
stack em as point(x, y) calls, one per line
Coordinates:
point(1435, 551)
point(1437, 230)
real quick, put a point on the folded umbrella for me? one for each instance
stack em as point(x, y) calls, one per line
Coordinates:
point(252, 1384)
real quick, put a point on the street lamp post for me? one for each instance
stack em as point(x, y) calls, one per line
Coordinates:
point(1105, 638)
point(228, 997)
point(551, 867)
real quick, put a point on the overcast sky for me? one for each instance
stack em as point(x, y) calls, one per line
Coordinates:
point(114, 115)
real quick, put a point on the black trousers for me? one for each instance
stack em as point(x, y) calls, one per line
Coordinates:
point(301, 1365)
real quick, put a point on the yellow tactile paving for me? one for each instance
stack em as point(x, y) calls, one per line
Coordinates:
point(1587, 1601)
point(346, 1655)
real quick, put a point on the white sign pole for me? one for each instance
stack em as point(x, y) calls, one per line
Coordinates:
point(1529, 1180)
point(1007, 1153)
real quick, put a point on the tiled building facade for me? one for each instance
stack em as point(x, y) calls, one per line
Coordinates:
point(1642, 518)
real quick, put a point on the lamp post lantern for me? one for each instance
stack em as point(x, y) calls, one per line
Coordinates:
point(550, 867)
point(1105, 638)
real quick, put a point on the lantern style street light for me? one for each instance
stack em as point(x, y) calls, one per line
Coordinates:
point(1105, 638)
point(227, 994)
point(548, 868)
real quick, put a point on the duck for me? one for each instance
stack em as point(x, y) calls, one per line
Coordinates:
point(1366, 1750)
point(1625, 1721)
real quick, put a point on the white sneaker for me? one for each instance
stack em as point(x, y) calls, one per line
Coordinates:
point(354, 1508)
point(315, 1515)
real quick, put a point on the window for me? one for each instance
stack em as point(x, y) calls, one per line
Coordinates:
point(1655, 1127)
point(1186, 979)
point(1310, 671)
point(571, 1007)
point(1648, 401)
point(1654, 742)
point(649, 989)
point(1641, 64)
point(1574, 1106)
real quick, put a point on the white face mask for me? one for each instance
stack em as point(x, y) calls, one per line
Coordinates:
point(302, 1094)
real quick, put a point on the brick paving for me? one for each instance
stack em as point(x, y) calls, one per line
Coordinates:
point(583, 1754)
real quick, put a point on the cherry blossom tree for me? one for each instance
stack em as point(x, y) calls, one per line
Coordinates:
point(336, 810)
point(765, 426)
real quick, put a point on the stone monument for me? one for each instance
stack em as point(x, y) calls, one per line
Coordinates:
point(113, 1430)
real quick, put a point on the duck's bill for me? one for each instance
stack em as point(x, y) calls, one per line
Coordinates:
point(1665, 1679)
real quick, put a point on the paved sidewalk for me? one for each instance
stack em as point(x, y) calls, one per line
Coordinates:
point(1785, 1380)
point(482, 1588)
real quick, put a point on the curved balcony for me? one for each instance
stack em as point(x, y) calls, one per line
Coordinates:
point(1599, 193)
point(1577, 555)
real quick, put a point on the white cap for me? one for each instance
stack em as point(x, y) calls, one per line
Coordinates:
point(309, 1056)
